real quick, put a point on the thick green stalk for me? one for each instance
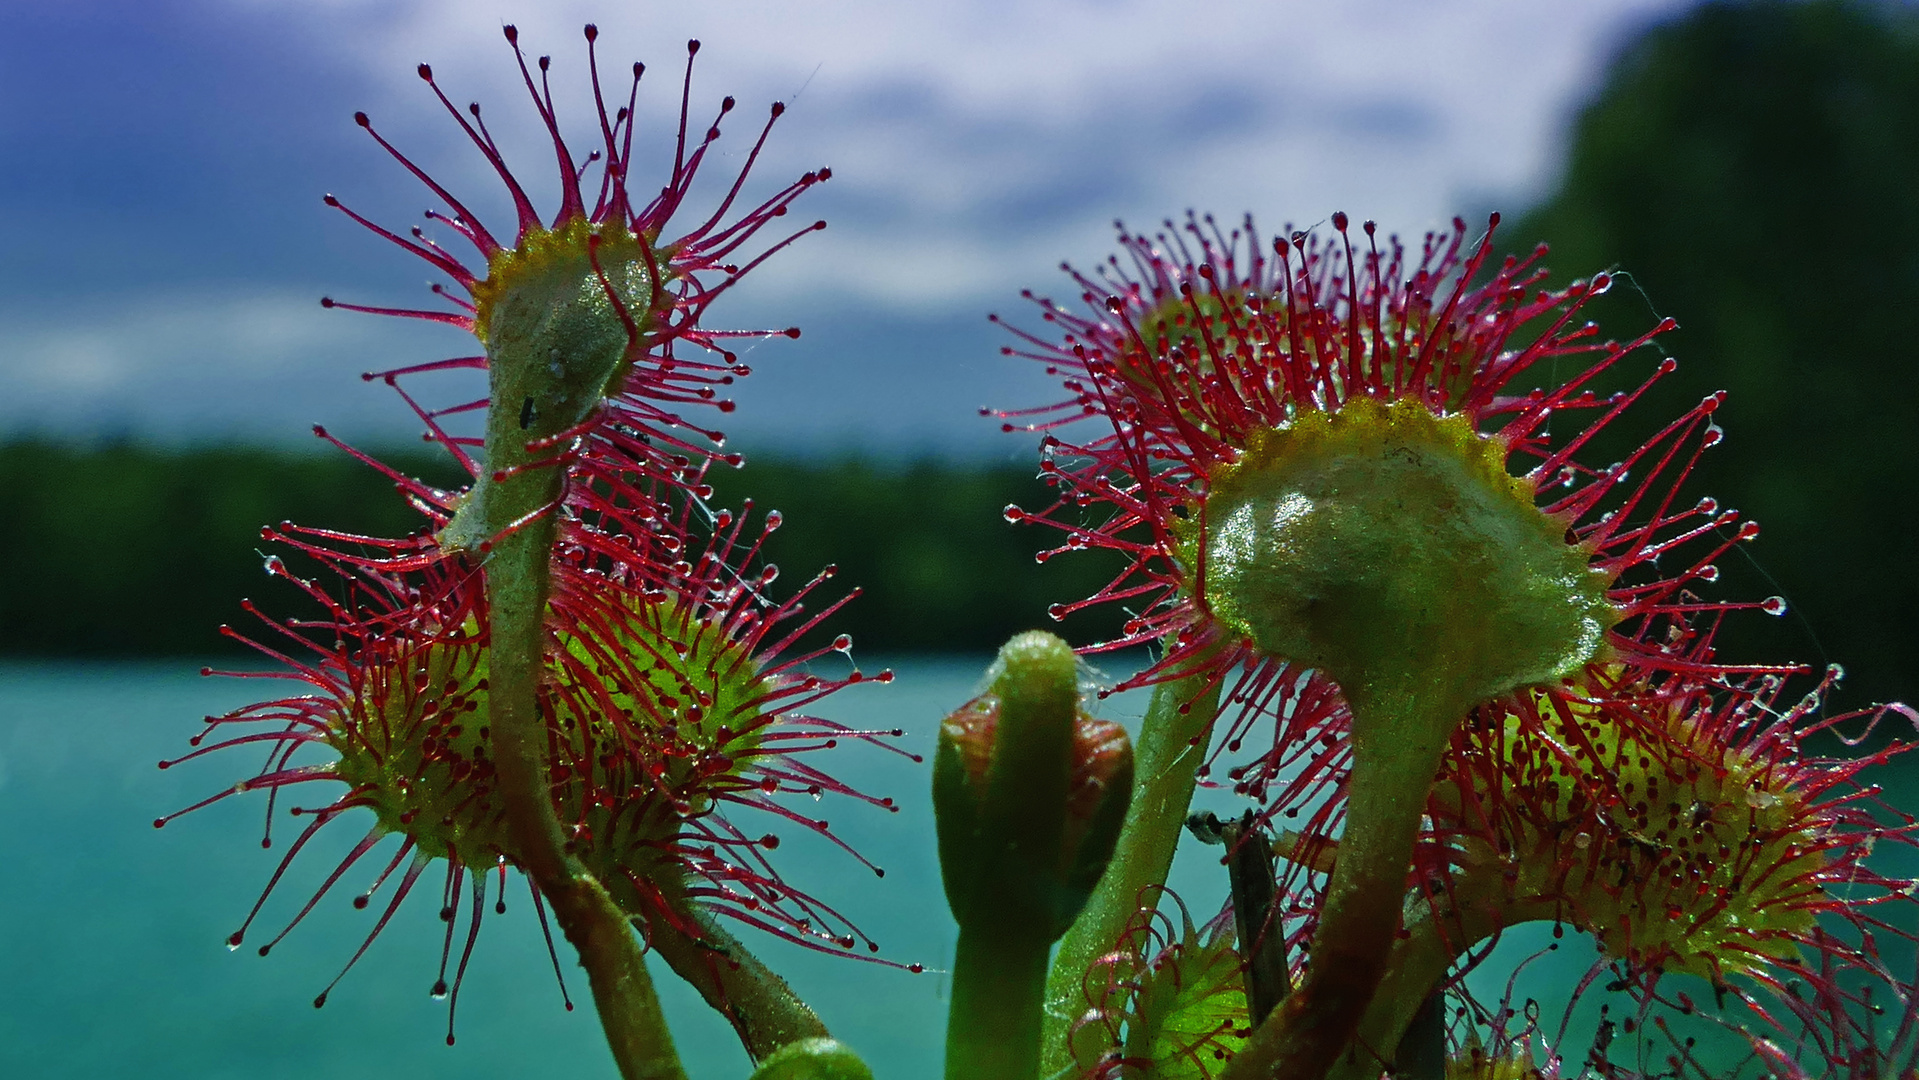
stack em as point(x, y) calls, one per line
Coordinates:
point(1421, 1054)
point(1397, 743)
point(1474, 910)
point(763, 1010)
point(1417, 964)
point(518, 577)
point(1172, 743)
point(999, 980)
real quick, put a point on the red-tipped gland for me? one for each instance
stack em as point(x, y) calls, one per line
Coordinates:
point(653, 282)
point(1202, 365)
point(693, 736)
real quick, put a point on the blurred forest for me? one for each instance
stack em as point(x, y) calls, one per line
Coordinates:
point(1753, 167)
point(124, 551)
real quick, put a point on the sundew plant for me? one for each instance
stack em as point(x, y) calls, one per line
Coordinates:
point(1462, 677)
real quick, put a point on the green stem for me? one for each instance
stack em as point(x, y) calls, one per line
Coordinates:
point(1435, 938)
point(518, 578)
point(763, 1010)
point(1001, 859)
point(1421, 1054)
point(1398, 739)
point(999, 979)
point(1172, 743)
point(1418, 962)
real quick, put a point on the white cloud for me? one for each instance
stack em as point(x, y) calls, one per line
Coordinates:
point(976, 143)
point(202, 362)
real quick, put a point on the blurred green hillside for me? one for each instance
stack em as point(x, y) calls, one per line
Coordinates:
point(1754, 168)
point(129, 551)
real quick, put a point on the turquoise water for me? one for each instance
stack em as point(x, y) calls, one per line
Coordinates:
point(112, 933)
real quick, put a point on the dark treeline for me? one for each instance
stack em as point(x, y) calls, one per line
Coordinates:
point(124, 550)
point(928, 545)
point(131, 551)
point(1754, 168)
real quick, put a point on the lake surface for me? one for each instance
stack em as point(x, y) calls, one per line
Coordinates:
point(112, 934)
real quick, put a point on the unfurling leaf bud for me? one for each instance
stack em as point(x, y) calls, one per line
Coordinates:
point(1028, 793)
point(813, 1059)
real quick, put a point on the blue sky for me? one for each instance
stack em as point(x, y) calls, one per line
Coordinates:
point(162, 163)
